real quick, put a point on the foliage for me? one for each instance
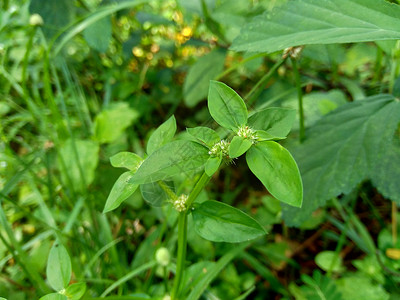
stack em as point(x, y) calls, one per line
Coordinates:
point(147, 147)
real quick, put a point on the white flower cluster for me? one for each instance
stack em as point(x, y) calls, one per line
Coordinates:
point(180, 203)
point(247, 133)
point(220, 147)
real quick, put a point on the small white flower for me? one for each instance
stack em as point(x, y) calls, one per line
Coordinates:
point(247, 133)
point(220, 147)
point(180, 203)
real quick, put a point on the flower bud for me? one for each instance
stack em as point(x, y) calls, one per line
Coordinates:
point(162, 256)
point(36, 20)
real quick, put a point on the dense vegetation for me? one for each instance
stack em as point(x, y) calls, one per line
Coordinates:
point(202, 149)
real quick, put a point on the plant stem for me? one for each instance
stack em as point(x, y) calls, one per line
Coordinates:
point(300, 98)
point(181, 257)
point(255, 91)
point(182, 235)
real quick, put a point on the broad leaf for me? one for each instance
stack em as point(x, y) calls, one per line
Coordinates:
point(198, 78)
point(98, 35)
point(220, 222)
point(78, 160)
point(111, 123)
point(75, 291)
point(275, 121)
point(56, 14)
point(177, 157)
point(162, 135)
point(320, 22)
point(205, 135)
point(360, 287)
point(238, 146)
point(58, 269)
point(329, 261)
point(226, 107)
point(387, 170)
point(341, 150)
point(212, 165)
point(276, 169)
point(154, 194)
point(121, 190)
point(128, 160)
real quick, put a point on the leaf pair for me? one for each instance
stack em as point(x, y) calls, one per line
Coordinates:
point(272, 164)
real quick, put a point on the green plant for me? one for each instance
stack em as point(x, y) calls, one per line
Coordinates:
point(204, 152)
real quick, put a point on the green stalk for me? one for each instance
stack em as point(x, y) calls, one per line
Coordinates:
point(181, 257)
point(182, 235)
point(300, 98)
point(255, 91)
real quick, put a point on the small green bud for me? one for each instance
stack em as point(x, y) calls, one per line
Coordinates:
point(36, 20)
point(162, 256)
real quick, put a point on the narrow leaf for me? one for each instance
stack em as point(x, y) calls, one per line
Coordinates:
point(121, 190)
point(226, 107)
point(58, 269)
point(238, 146)
point(177, 157)
point(162, 135)
point(276, 169)
point(128, 160)
point(320, 22)
point(220, 222)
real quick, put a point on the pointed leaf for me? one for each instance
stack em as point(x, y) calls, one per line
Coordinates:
point(220, 222)
point(198, 78)
point(238, 146)
point(58, 269)
point(128, 160)
point(121, 190)
point(275, 121)
point(162, 135)
point(341, 150)
point(212, 165)
point(177, 157)
point(320, 22)
point(226, 107)
point(265, 136)
point(276, 169)
point(205, 135)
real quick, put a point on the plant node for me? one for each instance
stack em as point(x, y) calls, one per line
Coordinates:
point(247, 133)
point(180, 203)
point(221, 147)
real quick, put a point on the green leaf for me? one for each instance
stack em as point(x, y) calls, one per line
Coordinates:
point(387, 170)
point(198, 78)
point(111, 123)
point(320, 22)
point(320, 287)
point(56, 14)
point(358, 287)
point(54, 296)
point(265, 136)
point(220, 222)
point(212, 165)
point(154, 194)
point(75, 291)
point(329, 261)
point(275, 121)
point(238, 146)
point(128, 160)
point(58, 269)
point(205, 135)
point(162, 135)
point(341, 150)
point(98, 35)
point(226, 107)
point(276, 169)
point(121, 190)
point(177, 157)
point(78, 160)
